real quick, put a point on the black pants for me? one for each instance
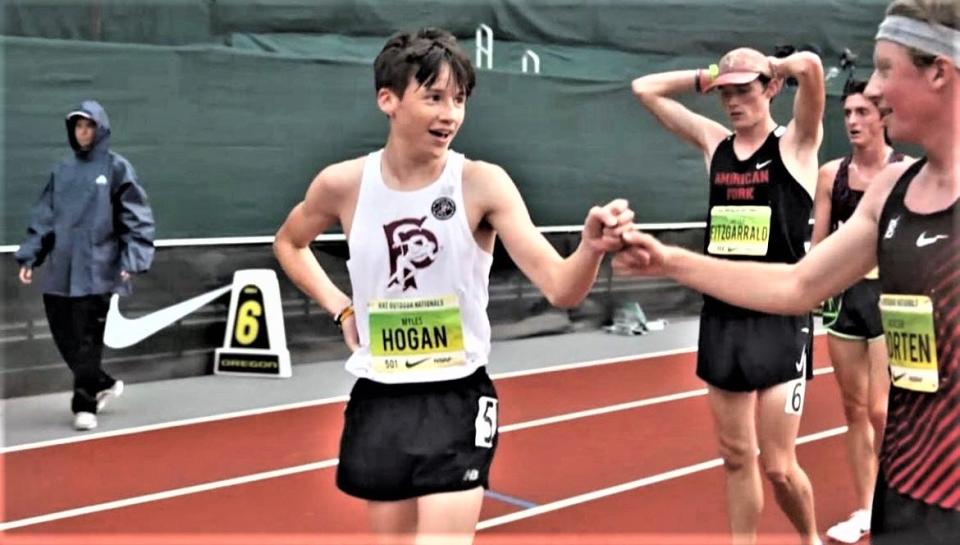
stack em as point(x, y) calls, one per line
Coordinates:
point(77, 326)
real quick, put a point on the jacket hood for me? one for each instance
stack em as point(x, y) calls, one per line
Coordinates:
point(93, 111)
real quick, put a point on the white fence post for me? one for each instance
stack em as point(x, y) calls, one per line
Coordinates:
point(530, 55)
point(484, 46)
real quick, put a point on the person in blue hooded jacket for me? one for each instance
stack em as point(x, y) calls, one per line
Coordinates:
point(94, 228)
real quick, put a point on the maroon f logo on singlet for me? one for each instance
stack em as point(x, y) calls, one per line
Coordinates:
point(411, 247)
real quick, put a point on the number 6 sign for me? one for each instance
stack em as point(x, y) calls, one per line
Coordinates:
point(255, 343)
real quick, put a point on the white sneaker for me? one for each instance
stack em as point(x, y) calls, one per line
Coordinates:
point(104, 396)
point(83, 421)
point(853, 529)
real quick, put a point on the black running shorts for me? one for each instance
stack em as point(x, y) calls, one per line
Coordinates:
point(755, 352)
point(855, 313)
point(402, 441)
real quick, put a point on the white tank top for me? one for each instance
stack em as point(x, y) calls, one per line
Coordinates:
point(419, 280)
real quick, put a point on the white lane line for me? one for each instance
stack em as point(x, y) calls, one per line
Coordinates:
point(137, 500)
point(314, 403)
point(329, 400)
point(602, 410)
point(632, 485)
point(619, 407)
point(173, 424)
point(332, 462)
point(594, 363)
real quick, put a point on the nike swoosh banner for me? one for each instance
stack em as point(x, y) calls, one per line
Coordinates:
point(122, 332)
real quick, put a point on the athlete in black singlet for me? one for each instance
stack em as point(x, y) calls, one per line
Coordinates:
point(909, 223)
point(852, 318)
point(762, 178)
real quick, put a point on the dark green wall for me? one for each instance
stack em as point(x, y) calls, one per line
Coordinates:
point(227, 109)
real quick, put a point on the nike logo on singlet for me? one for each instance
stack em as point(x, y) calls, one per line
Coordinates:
point(415, 363)
point(923, 240)
point(763, 164)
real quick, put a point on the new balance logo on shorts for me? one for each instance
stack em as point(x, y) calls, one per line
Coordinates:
point(471, 475)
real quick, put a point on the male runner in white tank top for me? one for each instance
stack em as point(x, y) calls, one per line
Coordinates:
point(421, 221)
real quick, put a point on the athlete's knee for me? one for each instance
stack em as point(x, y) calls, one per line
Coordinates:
point(736, 455)
point(737, 463)
point(778, 473)
point(777, 466)
point(855, 408)
point(878, 417)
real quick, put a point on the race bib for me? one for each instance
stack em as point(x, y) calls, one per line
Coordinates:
point(911, 341)
point(796, 389)
point(739, 230)
point(417, 334)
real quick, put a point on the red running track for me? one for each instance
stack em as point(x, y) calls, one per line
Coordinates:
point(540, 464)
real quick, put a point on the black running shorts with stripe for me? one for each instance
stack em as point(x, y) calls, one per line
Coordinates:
point(855, 313)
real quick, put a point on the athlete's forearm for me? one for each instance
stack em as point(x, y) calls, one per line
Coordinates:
point(575, 276)
point(303, 269)
point(805, 66)
point(664, 84)
point(767, 287)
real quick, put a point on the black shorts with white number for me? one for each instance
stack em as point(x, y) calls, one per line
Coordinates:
point(747, 353)
point(402, 441)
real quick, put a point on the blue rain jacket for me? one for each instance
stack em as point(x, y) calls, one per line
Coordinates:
point(92, 220)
